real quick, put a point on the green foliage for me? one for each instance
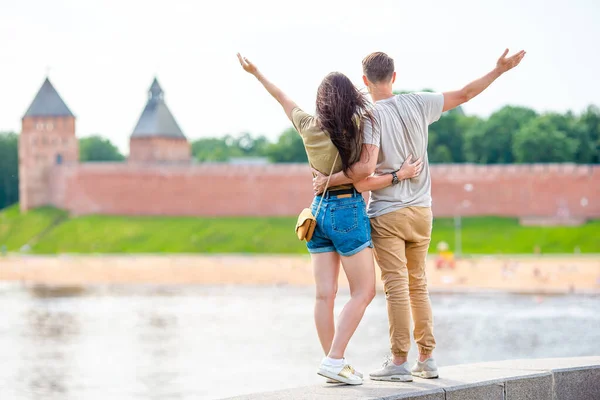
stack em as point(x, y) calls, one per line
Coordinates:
point(9, 168)
point(211, 150)
point(228, 147)
point(288, 149)
point(447, 137)
point(440, 154)
point(589, 136)
point(49, 231)
point(250, 146)
point(547, 138)
point(97, 148)
point(491, 141)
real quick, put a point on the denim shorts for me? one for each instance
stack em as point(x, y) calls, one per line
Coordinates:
point(342, 226)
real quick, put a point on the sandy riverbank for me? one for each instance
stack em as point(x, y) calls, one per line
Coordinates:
point(560, 274)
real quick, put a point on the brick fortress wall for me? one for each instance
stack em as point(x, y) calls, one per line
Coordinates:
point(150, 149)
point(543, 191)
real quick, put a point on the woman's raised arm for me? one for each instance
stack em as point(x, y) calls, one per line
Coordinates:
point(287, 104)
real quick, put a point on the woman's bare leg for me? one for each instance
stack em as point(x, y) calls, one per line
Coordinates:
point(326, 267)
point(360, 270)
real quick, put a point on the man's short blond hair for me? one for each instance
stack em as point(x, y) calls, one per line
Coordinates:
point(378, 67)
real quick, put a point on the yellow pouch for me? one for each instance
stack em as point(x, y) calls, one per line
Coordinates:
point(305, 227)
point(307, 222)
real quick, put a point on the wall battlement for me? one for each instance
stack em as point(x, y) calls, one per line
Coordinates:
point(515, 169)
point(551, 191)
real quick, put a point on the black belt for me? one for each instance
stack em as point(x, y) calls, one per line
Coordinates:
point(334, 193)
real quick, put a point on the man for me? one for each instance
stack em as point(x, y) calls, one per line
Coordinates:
point(400, 210)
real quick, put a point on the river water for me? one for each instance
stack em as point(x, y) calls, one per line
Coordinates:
point(139, 342)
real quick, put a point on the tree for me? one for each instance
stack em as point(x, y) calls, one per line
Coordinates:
point(455, 138)
point(543, 140)
point(97, 148)
point(491, 141)
point(223, 149)
point(9, 168)
point(440, 154)
point(588, 126)
point(447, 136)
point(211, 150)
point(288, 149)
point(249, 146)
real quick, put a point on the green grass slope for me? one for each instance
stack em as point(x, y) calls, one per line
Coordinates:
point(18, 229)
point(104, 234)
point(49, 231)
point(495, 235)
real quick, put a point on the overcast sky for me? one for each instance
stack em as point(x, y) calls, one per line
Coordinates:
point(103, 54)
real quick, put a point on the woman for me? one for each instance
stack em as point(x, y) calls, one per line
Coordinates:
point(334, 142)
point(342, 232)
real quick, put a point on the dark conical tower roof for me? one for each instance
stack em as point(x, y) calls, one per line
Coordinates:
point(156, 119)
point(48, 103)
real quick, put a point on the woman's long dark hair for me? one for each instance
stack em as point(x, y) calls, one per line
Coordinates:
point(341, 111)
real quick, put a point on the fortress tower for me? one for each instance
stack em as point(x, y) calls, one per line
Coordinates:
point(157, 137)
point(47, 139)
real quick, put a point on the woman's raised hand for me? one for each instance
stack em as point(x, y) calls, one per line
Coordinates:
point(247, 65)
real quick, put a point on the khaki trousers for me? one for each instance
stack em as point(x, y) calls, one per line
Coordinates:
point(401, 240)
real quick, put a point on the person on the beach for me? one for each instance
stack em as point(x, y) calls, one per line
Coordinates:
point(400, 211)
point(334, 142)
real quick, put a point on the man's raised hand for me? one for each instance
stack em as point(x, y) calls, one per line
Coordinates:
point(505, 64)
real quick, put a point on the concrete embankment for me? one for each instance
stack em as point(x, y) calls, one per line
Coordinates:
point(541, 379)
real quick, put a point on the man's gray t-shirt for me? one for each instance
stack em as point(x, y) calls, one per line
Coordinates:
point(401, 130)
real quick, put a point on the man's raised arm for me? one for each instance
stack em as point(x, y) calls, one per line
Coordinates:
point(458, 97)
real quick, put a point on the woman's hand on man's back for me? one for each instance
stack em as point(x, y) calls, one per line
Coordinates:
point(410, 169)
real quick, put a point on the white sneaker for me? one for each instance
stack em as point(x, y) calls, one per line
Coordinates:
point(392, 372)
point(355, 372)
point(426, 369)
point(340, 373)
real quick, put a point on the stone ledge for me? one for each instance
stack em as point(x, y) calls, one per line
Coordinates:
point(539, 379)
